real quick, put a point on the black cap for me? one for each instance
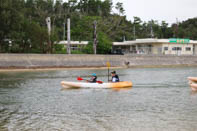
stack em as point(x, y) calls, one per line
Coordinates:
point(113, 72)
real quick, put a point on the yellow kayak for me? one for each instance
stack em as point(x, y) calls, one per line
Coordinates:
point(123, 84)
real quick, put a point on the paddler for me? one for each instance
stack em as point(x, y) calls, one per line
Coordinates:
point(93, 79)
point(115, 77)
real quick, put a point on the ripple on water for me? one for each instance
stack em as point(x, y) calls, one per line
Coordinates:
point(159, 100)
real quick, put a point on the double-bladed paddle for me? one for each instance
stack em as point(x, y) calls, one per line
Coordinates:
point(79, 79)
point(108, 65)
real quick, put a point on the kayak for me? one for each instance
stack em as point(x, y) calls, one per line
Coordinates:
point(193, 83)
point(192, 79)
point(123, 84)
point(193, 86)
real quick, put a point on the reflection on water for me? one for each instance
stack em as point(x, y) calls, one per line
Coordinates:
point(193, 93)
point(160, 99)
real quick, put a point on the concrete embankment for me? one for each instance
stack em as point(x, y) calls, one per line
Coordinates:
point(20, 61)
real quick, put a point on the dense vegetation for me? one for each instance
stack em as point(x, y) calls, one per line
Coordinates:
point(23, 26)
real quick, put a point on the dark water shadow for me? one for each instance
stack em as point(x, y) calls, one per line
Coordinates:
point(70, 88)
point(122, 89)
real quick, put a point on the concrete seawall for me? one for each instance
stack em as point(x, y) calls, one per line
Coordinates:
point(61, 60)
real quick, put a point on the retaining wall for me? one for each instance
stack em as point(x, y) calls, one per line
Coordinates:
point(62, 60)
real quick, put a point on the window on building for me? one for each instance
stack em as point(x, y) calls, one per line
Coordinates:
point(74, 47)
point(179, 48)
point(176, 48)
point(165, 48)
point(188, 48)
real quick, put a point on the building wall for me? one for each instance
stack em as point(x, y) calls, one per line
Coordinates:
point(156, 48)
point(181, 49)
point(160, 48)
point(195, 49)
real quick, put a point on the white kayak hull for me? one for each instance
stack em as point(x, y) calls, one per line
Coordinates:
point(124, 84)
point(192, 79)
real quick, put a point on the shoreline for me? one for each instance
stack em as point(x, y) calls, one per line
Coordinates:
point(88, 68)
point(53, 69)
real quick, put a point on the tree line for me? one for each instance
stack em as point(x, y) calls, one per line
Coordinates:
point(23, 26)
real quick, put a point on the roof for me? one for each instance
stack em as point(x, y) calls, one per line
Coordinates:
point(73, 42)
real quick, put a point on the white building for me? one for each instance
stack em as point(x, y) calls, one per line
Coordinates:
point(74, 45)
point(172, 46)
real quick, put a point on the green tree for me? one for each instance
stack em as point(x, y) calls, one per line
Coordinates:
point(89, 48)
point(23, 23)
point(119, 7)
point(104, 45)
point(38, 38)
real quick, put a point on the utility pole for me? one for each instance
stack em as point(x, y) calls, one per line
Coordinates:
point(48, 22)
point(177, 26)
point(64, 31)
point(134, 31)
point(94, 37)
point(151, 31)
point(68, 36)
point(124, 38)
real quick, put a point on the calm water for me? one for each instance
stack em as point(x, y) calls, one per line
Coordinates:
point(160, 100)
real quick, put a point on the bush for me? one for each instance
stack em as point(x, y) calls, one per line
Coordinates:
point(89, 48)
point(59, 49)
point(76, 52)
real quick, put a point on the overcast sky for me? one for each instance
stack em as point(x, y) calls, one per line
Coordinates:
point(167, 10)
point(161, 10)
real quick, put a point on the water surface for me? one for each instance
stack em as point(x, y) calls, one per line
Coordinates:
point(160, 100)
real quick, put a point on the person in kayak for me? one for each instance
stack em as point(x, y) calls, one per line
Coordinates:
point(93, 79)
point(115, 77)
